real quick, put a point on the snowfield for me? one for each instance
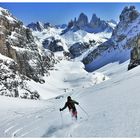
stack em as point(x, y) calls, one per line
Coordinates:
point(112, 105)
point(67, 76)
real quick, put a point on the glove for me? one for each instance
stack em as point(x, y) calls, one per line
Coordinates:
point(60, 109)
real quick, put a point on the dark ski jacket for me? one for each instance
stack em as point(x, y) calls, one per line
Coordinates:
point(71, 105)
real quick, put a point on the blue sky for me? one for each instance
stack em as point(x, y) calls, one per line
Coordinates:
point(58, 13)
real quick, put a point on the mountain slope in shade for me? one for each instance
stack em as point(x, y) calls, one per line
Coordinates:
point(124, 38)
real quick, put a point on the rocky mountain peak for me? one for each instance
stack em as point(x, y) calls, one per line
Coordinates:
point(129, 14)
point(47, 24)
point(39, 26)
point(6, 15)
point(95, 25)
point(98, 25)
point(82, 20)
point(94, 18)
point(4, 11)
point(125, 39)
point(28, 60)
point(39, 23)
point(95, 21)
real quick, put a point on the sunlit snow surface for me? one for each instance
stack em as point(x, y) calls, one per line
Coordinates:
point(113, 106)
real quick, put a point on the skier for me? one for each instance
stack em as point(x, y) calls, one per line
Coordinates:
point(71, 105)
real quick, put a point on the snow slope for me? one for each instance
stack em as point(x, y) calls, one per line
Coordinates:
point(66, 77)
point(82, 36)
point(112, 106)
point(50, 32)
point(112, 55)
point(70, 38)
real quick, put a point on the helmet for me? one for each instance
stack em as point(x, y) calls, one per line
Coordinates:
point(68, 98)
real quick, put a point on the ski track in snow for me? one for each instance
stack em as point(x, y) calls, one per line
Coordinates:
point(112, 106)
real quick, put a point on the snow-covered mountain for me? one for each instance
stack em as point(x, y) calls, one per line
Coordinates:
point(125, 37)
point(39, 26)
point(29, 55)
point(112, 23)
point(44, 62)
point(95, 25)
point(44, 44)
point(21, 58)
point(72, 38)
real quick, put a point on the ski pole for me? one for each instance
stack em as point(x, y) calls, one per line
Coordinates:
point(61, 118)
point(84, 111)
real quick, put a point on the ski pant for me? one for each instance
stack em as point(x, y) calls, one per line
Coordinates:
point(73, 113)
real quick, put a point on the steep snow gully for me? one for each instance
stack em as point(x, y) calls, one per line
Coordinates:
point(112, 106)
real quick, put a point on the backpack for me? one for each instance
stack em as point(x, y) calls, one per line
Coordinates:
point(71, 105)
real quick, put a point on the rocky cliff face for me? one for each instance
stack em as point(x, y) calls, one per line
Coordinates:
point(12, 83)
point(95, 25)
point(17, 43)
point(128, 24)
point(130, 16)
point(135, 54)
point(73, 37)
point(82, 20)
point(129, 21)
point(39, 26)
point(98, 25)
point(124, 37)
point(78, 49)
point(53, 44)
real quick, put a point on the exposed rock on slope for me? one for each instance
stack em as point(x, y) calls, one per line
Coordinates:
point(124, 39)
point(18, 43)
point(53, 44)
point(78, 49)
point(12, 83)
point(82, 20)
point(98, 25)
point(95, 25)
point(135, 54)
point(39, 26)
point(74, 36)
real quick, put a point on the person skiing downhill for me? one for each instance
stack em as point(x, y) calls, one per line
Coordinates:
point(71, 105)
